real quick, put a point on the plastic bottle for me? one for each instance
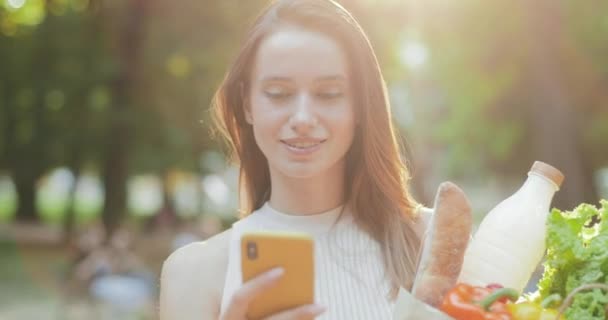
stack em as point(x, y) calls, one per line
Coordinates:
point(510, 241)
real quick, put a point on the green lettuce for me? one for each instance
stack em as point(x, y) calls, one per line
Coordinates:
point(577, 254)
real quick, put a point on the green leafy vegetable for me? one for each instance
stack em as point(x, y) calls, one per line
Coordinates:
point(577, 254)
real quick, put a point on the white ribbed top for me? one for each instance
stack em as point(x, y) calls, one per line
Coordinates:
point(349, 276)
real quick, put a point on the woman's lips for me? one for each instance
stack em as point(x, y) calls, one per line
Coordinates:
point(302, 147)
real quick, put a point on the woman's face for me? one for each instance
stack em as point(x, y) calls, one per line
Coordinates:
point(300, 103)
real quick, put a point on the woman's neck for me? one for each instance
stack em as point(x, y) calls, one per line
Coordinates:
point(307, 196)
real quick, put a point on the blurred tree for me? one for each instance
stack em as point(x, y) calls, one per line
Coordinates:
point(516, 82)
point(186, 52)
point(87, 108)
point(127, 35)
point(29, 99)
point(556, 113)
point(55, 97)
point(126, 85)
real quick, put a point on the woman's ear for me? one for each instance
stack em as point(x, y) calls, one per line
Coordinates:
point(246, 104)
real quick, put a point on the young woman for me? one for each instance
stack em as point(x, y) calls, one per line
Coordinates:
point(305, 109)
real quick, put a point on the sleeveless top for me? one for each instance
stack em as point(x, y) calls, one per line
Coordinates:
point(350, 280)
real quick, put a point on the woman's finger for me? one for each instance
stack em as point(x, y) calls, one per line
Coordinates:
point(252, 288)
point(306, 312)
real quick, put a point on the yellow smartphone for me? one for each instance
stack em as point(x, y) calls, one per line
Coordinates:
point(294, 252)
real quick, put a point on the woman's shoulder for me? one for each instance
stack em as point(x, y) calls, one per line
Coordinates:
point(209, 253)
point(192, 279)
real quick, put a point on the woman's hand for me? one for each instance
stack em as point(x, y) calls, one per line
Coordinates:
point(241, 299)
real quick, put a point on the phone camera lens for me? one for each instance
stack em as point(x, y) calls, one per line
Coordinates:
point(252, 250)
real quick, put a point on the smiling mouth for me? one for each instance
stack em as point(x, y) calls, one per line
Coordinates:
point(303, 145)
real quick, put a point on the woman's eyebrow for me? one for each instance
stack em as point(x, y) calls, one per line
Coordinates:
point(275, 78)
point(337, 77)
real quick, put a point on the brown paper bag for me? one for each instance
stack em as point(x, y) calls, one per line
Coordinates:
point(409, 308)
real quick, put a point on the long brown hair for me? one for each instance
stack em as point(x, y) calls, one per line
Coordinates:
point(376, 176)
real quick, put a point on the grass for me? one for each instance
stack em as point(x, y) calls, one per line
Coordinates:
point(28, 274)
point(32, 286)
point(8, 205)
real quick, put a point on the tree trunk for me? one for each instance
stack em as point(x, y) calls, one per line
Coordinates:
point(167, 215)
point(80, 117)
point(115, 177)
point(29, 161)
point(119, 136)
point(69, 220)
point(556, 134)
point(26, 208)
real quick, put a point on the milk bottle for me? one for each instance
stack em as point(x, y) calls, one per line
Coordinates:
point(510, 241)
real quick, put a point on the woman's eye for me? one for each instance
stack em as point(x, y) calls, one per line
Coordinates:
point(330, 95)
point(277, 94)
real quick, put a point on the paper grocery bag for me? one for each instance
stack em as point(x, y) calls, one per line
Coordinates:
point(409, 308)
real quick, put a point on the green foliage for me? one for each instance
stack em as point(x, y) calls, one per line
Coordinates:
point(480, 90)
point(577, 255)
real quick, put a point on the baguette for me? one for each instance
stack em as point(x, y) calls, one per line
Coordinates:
point(445, 242)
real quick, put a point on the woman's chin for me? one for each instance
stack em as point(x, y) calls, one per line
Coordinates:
point(301, 170)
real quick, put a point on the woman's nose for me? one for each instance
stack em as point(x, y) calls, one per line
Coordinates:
point(303, 117)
